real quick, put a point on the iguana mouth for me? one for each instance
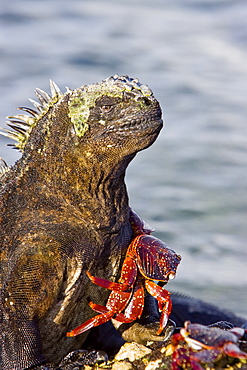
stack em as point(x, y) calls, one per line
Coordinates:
point(142, 123)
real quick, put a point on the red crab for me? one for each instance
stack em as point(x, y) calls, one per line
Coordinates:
point(205, 344)
point(147, 259)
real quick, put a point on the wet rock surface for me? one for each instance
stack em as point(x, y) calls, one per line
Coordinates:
point(133, 356)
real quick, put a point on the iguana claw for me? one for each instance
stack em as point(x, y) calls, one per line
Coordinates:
point(77, 359)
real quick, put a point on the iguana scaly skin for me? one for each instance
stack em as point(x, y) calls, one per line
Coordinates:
point(64, 210)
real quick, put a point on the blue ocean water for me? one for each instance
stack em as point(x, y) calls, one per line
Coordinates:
point(191, 184)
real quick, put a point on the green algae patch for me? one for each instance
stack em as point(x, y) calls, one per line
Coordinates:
point(82, 100)
point(79, 111)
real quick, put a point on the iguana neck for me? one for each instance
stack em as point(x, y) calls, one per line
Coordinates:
point(99, 190)
point(94, 188)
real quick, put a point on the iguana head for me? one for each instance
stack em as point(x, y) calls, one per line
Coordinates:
point(105, 121)
point(115, 111)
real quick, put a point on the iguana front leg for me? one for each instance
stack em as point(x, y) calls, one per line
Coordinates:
point(77, 360)
point(21, 342)
point(31, 286)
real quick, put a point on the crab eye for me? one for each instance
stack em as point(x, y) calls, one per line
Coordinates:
point(171, 275)
point(106, 108)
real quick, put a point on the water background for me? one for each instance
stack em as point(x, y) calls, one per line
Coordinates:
point(191, 184)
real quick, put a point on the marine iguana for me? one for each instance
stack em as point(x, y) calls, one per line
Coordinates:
point(64, 210)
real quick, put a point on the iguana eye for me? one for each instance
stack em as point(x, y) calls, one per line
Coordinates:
point(106, 108)
point(144, 100)
point(106, 103)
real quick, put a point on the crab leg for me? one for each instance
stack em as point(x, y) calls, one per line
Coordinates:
point(118, 287)
point(89, 324)
point(135, 306)
point(132, 311)
point(127, 278)
point(102, 309)
point(98, 307)
point(181, 357)
point(165, 303)
point(116, 303)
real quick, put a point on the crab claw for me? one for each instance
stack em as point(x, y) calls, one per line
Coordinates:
point(164, 300)
point(233, 350)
